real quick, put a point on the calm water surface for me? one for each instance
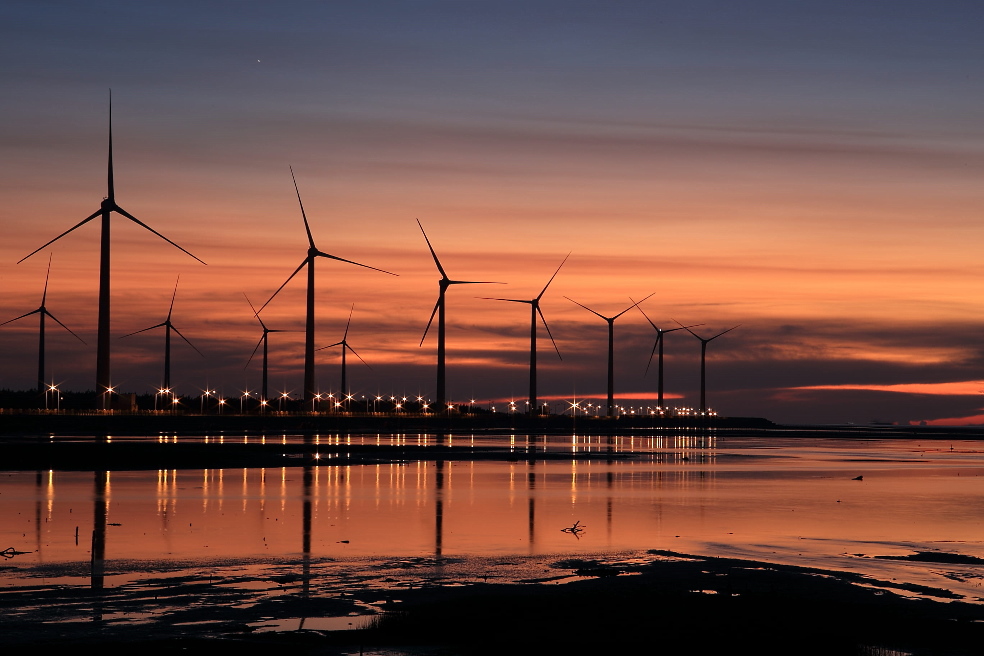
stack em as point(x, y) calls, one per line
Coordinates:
point(788, 501)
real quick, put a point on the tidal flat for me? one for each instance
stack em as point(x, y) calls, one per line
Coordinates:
point(461, 543)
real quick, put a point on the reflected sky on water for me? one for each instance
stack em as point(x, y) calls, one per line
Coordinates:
point(789, 501)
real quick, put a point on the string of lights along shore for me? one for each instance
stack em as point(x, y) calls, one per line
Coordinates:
point(109, 396)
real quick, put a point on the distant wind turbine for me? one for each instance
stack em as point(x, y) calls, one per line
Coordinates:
point(312, 254)
point(611, 348)
point(107, 207)
point(659, 363)
point(534, 311)
point(345, 347)
point(42, 312)
point(703, 357)
point(263, 341)
point(439, 310)
point(168, 327)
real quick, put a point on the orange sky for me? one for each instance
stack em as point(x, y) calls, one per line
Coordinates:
point(831, 204)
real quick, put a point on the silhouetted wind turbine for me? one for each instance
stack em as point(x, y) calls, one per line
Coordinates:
point(263, 341)
point(345, 347)
point(42, 312)
point(611, 348)
point(107, 207)
point(703, 356)
point(312, 254)
point(439, 310)
point(659, 343)
point(534, 311)
point(168, 327)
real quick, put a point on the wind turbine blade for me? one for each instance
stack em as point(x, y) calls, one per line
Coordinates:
point(552, 277)
point(144, 225)
point(659, 336)
point(257, 315)
point(658, 331)
point(723, 332)
point(255, 349)
point(186, 341)
point(474, 282)
point(356, 354)
point(431, 320)
point(586, 308)
point(341, 259)
point(64, 326)
point(693, 325)
point(509, 300)
point(349, 323)
point(688, 330)
point(21, 317)
point(307, 227)
point(634, 304)
point(550, 334)
point(77, 225)
point(433, 254)
point(172, 298)
point(160, 325)
point(110, 190)
point(44, 295)
point(330, 346)
point(289, 278)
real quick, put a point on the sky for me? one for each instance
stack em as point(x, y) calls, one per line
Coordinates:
point(811, 171)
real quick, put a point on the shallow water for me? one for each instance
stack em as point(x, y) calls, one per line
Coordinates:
point(792, 501)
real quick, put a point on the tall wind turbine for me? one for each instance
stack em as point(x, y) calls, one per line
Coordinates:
point(611, 348)
point(106, 208)
point(263, 341)
point(534, 311)
point(312, 254)
point(168, 327)
point(439, 310)
point(659, 363)
point(703, 357)
point(42, 312)
point(345, 347)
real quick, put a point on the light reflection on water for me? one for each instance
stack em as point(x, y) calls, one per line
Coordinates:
point(789, 501)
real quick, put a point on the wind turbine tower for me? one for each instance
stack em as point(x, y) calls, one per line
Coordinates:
point(42, 312)
point(310, 387)
point(703, 357)
point(263, 340)
point(345, 347)
point(106, 209)
point(168, 327)
point(439, 310)
point(659, 362)
point(534, 311)
point(611, 349)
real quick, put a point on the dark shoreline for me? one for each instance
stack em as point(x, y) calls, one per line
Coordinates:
point(652, 602)
point(90, 442)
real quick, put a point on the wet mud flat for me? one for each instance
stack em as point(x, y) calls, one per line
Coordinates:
point(657, 602)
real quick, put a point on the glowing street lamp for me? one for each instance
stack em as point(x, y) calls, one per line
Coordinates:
point(283, 397)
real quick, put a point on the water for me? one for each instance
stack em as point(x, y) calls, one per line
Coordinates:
point(262, 530)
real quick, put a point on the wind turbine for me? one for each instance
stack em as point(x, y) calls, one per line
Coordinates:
point(42, 312)
point(534, 311)
point(312, 254)
point(611, 348)
point(106, 208)
point(345, 347)
point(703, 356)
point(263, 340)
point(659, 343)
point(439, 310)
point(168, 327)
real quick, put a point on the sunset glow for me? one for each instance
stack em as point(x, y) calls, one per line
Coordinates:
point(811, 173)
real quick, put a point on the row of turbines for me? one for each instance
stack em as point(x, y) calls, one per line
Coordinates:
point(104, 385)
